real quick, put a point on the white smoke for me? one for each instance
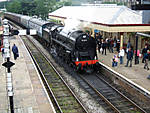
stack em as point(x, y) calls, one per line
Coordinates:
point(72, 24)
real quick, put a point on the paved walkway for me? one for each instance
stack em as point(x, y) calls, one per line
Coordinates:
point(136, 73)
point(29, 94)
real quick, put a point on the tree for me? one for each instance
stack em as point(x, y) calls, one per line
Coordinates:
point(61, 4)
point(41, 9)
point(2, 5)
point(68, 3)
point(51, 5)
point(28, 7)
point(14, 6)
point(91, 1)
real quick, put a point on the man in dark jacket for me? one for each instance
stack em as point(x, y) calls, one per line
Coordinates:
point(104, 46)
point(144, 51)
point(129, 57)
point(15, 51)
point(146, 56)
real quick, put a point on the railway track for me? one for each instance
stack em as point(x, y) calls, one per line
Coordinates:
point(107, 96)
point(63, 98)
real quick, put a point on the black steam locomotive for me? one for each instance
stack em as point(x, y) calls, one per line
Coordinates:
point(76, 47)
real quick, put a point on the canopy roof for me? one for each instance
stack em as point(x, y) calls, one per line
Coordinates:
point(111, 18)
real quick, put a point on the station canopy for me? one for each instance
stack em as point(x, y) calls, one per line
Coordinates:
point(108, 18)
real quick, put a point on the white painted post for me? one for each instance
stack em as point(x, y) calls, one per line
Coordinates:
point(8, 64)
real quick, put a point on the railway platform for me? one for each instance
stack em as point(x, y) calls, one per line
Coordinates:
point(136, 74)
point(29, 93)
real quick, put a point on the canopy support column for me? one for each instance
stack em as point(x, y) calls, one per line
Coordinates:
point(136, 49)
point(121, 40)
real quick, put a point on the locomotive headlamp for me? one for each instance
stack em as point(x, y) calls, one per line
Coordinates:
point(84, 36)
point(77, 59)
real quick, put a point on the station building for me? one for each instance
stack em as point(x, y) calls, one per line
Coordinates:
point(111, 20)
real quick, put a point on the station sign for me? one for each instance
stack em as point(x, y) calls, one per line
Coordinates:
point(24, 32)
point(8, 64)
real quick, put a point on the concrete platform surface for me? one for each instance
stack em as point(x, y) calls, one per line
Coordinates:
point(29, 94)
point(137, 74)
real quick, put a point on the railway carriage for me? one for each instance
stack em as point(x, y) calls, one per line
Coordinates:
point(25, 21)
point(13, 17)
point(37, 24)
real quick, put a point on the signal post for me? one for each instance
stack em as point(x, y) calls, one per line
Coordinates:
point(8, 64)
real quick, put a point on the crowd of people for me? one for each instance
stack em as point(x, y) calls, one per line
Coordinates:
point(107, 43)
point(113, 46)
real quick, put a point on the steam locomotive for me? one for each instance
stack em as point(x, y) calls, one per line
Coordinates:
point(76, 47)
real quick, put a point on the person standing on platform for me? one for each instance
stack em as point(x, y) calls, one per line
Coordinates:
point(2, 49)
point(108, 44)
point(121, 54)
point(104, 46)
point(129, 57)
point(115, 42)
point(118, 45)
point(96, 37)
point(146, 56)
point(15, 51)
point(147, 44)
point(111, 45)
point(99, 45)
point(115, 60)
point(100, 36)
point(138, 55)
point(144, 51)
point(128, 46)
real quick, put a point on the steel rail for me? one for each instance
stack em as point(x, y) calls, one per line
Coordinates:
point(114, 107)
point(107, 101)
point(133, 103)
point(44, 80)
